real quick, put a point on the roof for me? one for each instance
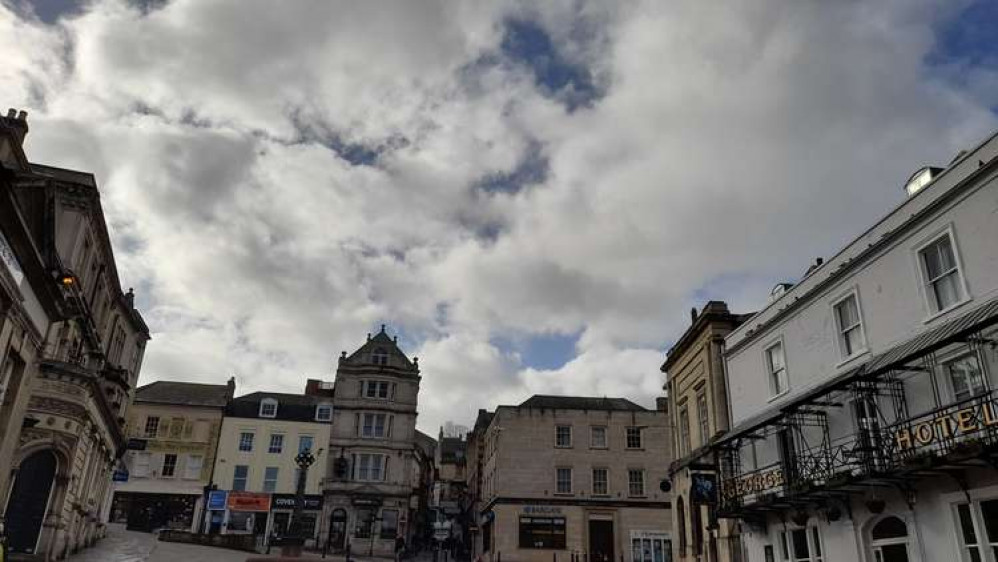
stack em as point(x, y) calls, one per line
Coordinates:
point(380, 342)
point(290, 407)
point(426, 443)
point(184, 394)
point(548, 402)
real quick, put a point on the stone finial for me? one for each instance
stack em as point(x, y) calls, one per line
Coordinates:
point(382, 328)
point(369, 336)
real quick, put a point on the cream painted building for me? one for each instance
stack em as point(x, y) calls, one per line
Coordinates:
point(566, 476)
point(698, 405)
point(255, 469)
point(172, 432)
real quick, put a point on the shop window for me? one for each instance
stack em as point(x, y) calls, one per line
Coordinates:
point(364, 523)
point(542, 532)
point(650, 549)
point(389, 523)
point(978, 534)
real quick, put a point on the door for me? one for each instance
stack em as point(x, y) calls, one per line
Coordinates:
point(338, 529)
point(29, 501)
point(600, 541)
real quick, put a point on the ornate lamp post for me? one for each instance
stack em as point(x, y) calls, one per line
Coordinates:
point(292, 544)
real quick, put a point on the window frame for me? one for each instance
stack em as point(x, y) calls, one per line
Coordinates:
point(173, 466)
point(374, 426)
point(557, 436)
point(324, 408)
point(928, 296)
point(264, 404)
point(236, 478)
point(813, 538)
point(187, 467)
point(606, 481)
point(558, 481)
point(684, 430)
point(155, 432)
point(376, 385)
point(703, 416)
point(774, 391)
point(247, 442)
point(371, 467)
point(630, 483)
point(592, 437)
point(273, 481)
point(301, 438)
point(627, 437)
point(840, 331)
point(946, 360)
point(279, 437)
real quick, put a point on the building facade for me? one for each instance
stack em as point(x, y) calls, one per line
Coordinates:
point(575, 477)
point(172, 433)
point(255, 469)
point(81, 385)
point(372, 489)
point(450, 487)
point(865, 425)
point(698, 405)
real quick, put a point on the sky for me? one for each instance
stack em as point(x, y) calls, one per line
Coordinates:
point(531, 196)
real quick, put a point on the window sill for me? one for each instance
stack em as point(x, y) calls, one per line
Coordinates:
point(641, 497)
point(778, 396)
point(562, 446)
point(853, 357)
point(634, 448)
point(928, 319)
point(564, 494)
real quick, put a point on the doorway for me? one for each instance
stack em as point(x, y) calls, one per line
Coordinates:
point(889, 540)
point(29, 501)
point(338, 529)
point(600, 540)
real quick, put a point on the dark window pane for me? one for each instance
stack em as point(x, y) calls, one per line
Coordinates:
point(889, 528)
point(989, 510)
point(817, 541)
point(800, 543)
point(975, 555)
point(966, 524)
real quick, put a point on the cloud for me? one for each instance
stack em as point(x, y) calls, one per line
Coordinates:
point(280, 179)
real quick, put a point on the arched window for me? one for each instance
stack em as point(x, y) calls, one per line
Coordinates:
point(681, 516)
point(379, 357)
point(889, 540)
point(268, 408)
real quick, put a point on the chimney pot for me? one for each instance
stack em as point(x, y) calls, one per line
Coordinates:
point(22, 115)
point(11, 113)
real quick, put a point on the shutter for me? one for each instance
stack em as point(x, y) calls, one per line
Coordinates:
point(353, 466)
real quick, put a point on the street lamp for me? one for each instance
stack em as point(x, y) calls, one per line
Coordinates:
point(292, 545)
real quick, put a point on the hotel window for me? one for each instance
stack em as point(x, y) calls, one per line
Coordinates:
point(323, 412)
point(563, 436)
point(270, 479)
point(801, 545)
point(601, 482)
point(376, 389)
point(563, 481)
point(245, 441)
point(370, 468)
point(965, 376)
point(684, 431)
point(169, 465)
point(152, 426)
point(941, 274)
point(374, 425)
point(239, 476)
point(776, 364)
point(633, 435)
point(702, 417)
point(978, 530)
point(276, 443)
point(268, 408)
point(542, 532)
point(305, 442)
point(597, 437)
point(852, 340)
point(193, 469)
point(635, 482)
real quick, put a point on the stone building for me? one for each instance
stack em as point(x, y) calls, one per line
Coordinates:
point(863, 411)
point(372, 489)
point(255, 469)
point(172, 433)
point(474, 483)
point(80, 387)
point(568, 477)
point(698, 405)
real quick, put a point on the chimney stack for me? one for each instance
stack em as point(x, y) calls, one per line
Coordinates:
point(231, 392)
point(17, 121)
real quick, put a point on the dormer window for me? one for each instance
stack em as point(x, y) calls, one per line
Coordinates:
point(379, 357)
point(268, 408)
point(323, 412)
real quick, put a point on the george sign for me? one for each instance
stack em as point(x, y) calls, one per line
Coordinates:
point(248, 501)
point(120, 475)
point(703, 488)
point(947, 426)
point(288, 501)
point(541, 509)
point(217, 499)
point(753, 483)
point(136, 445)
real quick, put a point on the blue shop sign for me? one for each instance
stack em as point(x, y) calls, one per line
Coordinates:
point(216, 499)
point(120, 476)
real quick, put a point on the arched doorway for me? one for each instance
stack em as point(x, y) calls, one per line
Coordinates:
point(29, 501)
point(338, 529)
point(889, 540)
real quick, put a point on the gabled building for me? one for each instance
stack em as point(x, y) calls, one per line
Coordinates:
point(863, 411)
point(68, 405)
point(172, 431)
point(372, 488)
point(698, 405)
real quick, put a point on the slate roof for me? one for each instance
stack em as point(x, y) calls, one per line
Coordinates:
point(290, 407)
point(547, 402)
point(380, 341)
point(183, 394)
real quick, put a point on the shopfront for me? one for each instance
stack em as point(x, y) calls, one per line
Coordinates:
point(247, 513)
point(147, 512)
point(282, 508)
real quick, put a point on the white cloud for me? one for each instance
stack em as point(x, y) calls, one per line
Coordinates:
point(221, 135)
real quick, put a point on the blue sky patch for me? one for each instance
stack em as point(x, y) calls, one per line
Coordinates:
point(543, 351)
point(532, 169)
point(969, 38)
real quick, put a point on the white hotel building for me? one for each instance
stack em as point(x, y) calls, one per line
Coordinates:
point(863, 403)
